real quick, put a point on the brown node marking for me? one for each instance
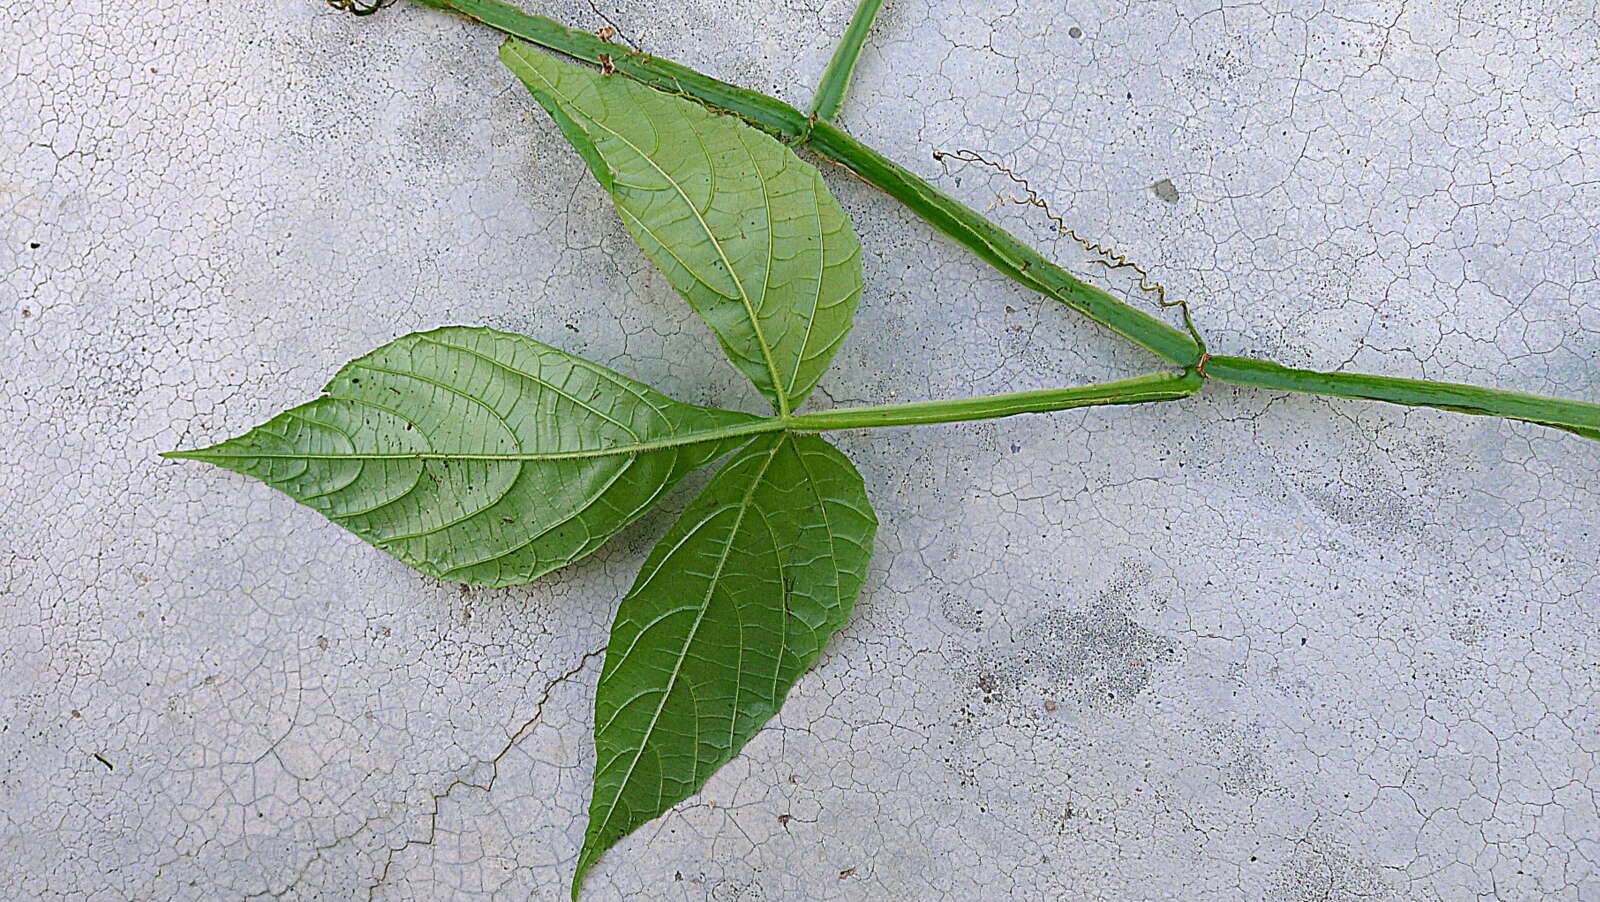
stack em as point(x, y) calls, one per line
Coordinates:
point(607, 67)
point(611, 32)
point(805, 133)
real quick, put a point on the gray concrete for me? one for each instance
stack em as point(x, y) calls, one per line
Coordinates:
point(1246, 647)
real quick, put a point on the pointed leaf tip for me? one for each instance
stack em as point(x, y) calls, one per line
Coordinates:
point(479, 456)
point(734, 604)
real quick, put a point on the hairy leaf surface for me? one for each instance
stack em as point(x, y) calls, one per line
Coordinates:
point(745, 230)
point(480, 456)
point(732, 606)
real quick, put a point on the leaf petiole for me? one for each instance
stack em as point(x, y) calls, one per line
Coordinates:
point(1138, 390)
point(1005, 251)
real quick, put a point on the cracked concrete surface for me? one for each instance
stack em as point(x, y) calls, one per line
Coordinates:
point(1248, 646)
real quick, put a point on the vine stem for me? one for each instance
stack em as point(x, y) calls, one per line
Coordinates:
point(836, 80)
point(1002, 250)
point(1578, 417)
point(1007, 253)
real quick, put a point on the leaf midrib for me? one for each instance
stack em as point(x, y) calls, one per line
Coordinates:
point(744, 295)
point(757, 427)
point(705, 605)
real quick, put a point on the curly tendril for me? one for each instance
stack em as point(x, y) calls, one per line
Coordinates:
point(360, 7)
point(1104, 254)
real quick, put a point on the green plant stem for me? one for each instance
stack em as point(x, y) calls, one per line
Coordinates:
point(1139, 390)
point(836, 80)
point(1003, 250)
point(1579, 417)
point(765, 112)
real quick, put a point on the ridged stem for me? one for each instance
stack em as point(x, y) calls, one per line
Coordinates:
point(1005, 251)
point(1580, 417)
point(836, 80)
point(1138, 390)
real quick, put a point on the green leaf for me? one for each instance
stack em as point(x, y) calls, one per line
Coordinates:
point(745, 230)
point(482, 457)
point(732, 606)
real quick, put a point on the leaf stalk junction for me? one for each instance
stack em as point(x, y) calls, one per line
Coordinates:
point(1007, 253)
point(489, 458)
